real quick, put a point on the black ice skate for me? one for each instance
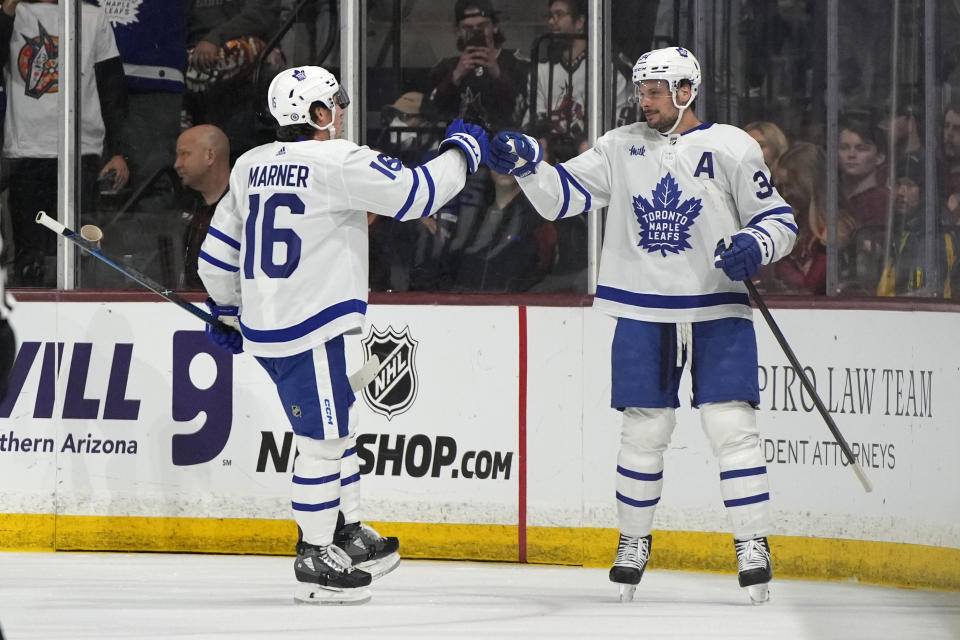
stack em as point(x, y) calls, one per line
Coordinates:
point(755, 570)
point(326, 576)
point(632, 555)
point(368, 550)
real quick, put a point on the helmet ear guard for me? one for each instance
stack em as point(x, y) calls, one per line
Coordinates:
point(293, 91)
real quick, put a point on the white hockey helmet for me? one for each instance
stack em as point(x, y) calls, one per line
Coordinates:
point(673, 64)
point(292, 92)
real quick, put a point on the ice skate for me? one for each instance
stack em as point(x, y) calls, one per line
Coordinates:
point(632, 555)
point(754, 568)
point(326, 576)
point(367, 549)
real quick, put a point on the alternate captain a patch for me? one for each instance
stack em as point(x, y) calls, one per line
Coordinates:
point(666, 218)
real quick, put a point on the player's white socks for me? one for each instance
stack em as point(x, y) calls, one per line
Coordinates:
point(744, 484)
point(316, 488)
point(350, 479)
point(645, 434)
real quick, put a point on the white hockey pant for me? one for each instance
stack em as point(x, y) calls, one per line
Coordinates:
point(644, 436)
point(731, 428)
point(316, 493)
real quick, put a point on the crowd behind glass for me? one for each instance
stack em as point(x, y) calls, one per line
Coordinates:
point(510, 64)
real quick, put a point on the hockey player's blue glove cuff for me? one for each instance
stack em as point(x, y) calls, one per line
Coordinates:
point(230, 340)
point(741, 260)
point(514, 153)
point(471, 139)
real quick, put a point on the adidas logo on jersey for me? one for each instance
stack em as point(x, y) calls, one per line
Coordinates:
point(642, 151)
point(283, 151)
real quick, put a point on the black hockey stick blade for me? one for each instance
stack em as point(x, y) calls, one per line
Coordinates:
point(805, 381)
point(92, 247)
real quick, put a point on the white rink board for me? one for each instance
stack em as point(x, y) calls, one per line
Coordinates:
point(121, 363)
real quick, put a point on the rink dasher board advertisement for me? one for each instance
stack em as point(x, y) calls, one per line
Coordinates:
point(124, 409)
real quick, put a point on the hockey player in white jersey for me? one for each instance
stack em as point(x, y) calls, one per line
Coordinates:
point(285, 262)
point(692, 213)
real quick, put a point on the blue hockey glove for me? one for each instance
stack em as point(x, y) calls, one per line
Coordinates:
point(741, 260)
point(514, 153)
point(230, 340)
point(471, 139)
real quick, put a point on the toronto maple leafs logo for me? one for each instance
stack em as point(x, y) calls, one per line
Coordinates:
point(300, 74)
point(664, 220)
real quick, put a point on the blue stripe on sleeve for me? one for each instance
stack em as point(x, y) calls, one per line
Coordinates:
point(654, 301)
point(431, 191)
point(588, 201)
point(309, 325)
point(220, 235)
point(410, 198)
point(774, 212)
point(565, 184)
point(217, 263)
point(350, 479)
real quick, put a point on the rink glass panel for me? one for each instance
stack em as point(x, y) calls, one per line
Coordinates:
point(765, 61)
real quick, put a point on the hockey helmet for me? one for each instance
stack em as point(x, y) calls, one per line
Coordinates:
point(672, 64)
point(292, 92)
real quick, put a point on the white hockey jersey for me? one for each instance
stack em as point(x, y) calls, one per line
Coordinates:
point(670, 200)
point(288, 242)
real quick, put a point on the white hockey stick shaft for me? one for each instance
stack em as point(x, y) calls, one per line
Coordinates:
point(87, 243)
point(365, 374)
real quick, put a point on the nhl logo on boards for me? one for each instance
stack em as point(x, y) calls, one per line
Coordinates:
point(394, 388)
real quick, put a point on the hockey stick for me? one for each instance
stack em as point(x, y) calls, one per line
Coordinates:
point(89, 240)
point(805, 381)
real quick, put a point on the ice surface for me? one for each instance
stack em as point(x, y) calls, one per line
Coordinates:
point(151, 596)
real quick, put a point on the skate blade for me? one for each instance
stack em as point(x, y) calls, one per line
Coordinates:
point(381, 566)
point(315, 594)
point(759, 593)
point(627, 591)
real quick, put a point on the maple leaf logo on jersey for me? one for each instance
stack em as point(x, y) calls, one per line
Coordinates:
point(664, 220)
point(37, 63)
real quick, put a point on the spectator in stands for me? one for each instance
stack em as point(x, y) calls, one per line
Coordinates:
point(801, 178)
point(485, 82)
point(950, 169)
point(31, 139)
point(409, 129)
point(903, 127)
point(561, 80)
point(151, 38)
point(771, 139)
point(502, 252)
point(863, 152)
point(224, 38)
point(203, 164)
point(905, 272)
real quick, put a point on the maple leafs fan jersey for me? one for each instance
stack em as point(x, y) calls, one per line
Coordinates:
point(670, 200)
point(288, 242)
